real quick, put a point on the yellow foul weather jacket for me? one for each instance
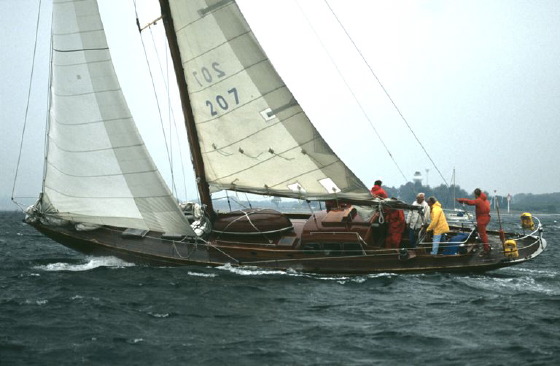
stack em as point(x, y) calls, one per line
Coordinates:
point(439, 223)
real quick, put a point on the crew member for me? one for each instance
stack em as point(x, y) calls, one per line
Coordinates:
point(482, 209)
point(377, 191)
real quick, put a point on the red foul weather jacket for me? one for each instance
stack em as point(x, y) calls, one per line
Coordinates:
point(482, 207)
point(378, 191)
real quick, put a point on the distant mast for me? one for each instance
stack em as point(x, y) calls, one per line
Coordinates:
point(454, 188)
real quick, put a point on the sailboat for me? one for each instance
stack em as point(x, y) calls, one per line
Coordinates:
point(102, 193)
point(457, 215)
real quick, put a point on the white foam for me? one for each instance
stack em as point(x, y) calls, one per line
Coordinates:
point(529, 271)
point(528, 284)
point(197, 274)
point(37, 302)
point(250, 271)
point(519, 284)
point(93, 262)
point(256, 271)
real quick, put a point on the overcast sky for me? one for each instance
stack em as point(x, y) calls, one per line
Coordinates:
point(477, 81)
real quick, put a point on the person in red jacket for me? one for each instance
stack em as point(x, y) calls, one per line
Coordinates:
point(380, 234)
point(482, 210)
point(396, 226)
point(377, 191)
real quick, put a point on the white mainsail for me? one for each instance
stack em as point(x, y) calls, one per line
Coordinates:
point(253, 135)
point(98, 170)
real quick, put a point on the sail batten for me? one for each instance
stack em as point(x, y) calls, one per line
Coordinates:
point(98, 169)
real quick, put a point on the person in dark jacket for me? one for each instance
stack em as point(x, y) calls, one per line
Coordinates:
point(377, 191)
point(482, 209)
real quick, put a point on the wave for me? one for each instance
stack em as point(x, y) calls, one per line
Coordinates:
point(525, 281)
point(252, 271)
point(92, 263)
point(342, 279)
point(535, 272)
point(200, 274)
point(522, 285)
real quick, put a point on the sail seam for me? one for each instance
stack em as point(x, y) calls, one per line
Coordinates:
point(255, 133)
point(100, 175)
point(95, 150)
point(228, 40)
point(111, 120)
point(61, 65)
point(103, 197)
point(88, 93)
point(80, 31)
point(81, 50)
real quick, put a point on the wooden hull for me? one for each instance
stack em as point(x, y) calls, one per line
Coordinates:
point(294, 250)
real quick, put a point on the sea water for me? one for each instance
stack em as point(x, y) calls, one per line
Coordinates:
point(59, 307)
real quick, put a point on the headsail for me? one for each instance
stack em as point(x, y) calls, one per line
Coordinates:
point(253, 135)
point(98, 169)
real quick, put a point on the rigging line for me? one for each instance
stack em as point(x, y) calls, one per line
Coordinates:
point(351, 91)
point(173, 126)
point(28, 101)
point(172, 119)
point(385, 91)
point(248, 201)
point(155, 95)
point(170, 110)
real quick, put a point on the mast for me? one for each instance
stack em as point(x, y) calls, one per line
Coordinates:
point(198, 163)
point(454, 189)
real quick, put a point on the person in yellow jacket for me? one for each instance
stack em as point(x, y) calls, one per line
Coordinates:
point(439, 223)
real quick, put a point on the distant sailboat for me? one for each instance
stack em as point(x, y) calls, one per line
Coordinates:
point(102, 193)
point(457, 215)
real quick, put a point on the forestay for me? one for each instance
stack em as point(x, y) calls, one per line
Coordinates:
point(98, 169)
point(253, 135)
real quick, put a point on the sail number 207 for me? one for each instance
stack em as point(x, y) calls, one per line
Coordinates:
point(221, 101)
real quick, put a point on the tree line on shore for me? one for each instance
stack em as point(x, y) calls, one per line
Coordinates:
point(538, 203)
point(541, 203)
